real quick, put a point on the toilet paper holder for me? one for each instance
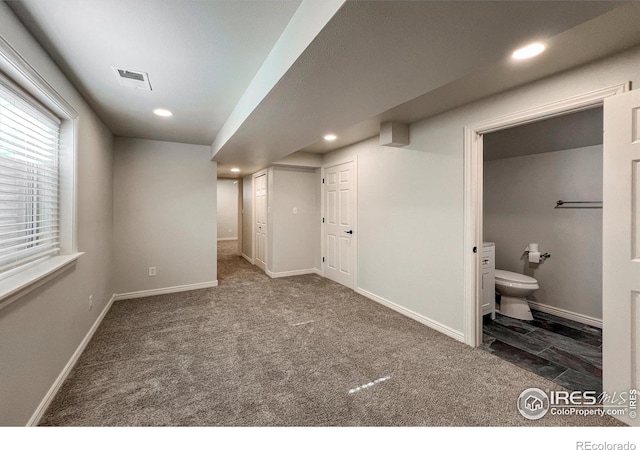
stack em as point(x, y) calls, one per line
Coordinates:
point(543, 256)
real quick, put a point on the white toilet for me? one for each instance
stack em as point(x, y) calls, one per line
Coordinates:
point(514, 288)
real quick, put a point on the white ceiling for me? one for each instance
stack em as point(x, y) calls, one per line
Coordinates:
point(200, 57)
point(409, 60)
point(605, 35)
point(367, 62)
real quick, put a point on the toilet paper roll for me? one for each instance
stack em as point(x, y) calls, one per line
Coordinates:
point(534, 257)
point(533, 247)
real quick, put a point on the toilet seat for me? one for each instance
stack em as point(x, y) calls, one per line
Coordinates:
point(507, 277)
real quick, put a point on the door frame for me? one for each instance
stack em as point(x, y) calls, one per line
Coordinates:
point(354, 238)
point(239, 206)
point(240, 214)
point(473, 190)
point(253, 217)
point(251, 214)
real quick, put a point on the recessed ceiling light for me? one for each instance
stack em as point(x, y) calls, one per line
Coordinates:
point(529, 51)
point(162, 112)
point(330, 137)
point(235, 169)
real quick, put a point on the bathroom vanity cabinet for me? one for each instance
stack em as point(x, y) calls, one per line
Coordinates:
point(488, 262)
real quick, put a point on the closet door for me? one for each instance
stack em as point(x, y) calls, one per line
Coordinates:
point(339, 220)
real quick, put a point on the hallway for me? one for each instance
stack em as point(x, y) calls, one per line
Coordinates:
point(234, 269)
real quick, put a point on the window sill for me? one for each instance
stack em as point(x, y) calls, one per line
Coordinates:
point(24, 282)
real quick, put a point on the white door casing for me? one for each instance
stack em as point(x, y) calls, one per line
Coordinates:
point(621, 246)
point(473, 168)
point(260, 226)
point(340, 234)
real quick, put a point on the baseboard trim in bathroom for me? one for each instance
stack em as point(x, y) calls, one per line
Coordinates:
point(587, 320)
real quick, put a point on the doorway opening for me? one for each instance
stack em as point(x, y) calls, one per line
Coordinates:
point(229, 233)
point(542, 247)
point(232, 267)
point(617, 150)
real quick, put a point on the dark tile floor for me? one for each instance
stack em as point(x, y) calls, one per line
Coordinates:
point(561, 350)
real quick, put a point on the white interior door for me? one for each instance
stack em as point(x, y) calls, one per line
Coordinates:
point(621, 245)
point(260, 184)
point(339, 225)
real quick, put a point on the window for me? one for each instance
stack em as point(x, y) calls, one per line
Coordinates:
point(29, 181)
point(38, 142)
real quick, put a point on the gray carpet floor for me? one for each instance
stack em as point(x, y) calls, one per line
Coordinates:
point(233, 269)
point(285, 352)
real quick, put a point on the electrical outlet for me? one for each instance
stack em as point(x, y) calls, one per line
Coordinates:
point(295, 210)
point(152, 271)
point(90, 302)
point(229, 230)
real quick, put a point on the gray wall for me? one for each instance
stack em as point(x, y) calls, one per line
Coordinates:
point(247, 216)
point(410, 223)
point(40, 332)
point(410, 200)
point(164, 214)
point(519, 198)
point(294, 238)
point(227, 209)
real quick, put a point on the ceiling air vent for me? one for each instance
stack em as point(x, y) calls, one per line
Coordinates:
point(132, 78)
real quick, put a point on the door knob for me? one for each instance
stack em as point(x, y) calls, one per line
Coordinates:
point(349, 232)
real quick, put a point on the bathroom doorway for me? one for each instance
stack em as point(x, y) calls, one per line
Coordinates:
point(620, 262)
point(542, 251)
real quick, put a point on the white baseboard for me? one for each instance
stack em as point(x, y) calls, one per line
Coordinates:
point(292, 273)
point(228, 239)
point(458, 336)
point(168, 290)
point(55, 387)
point(587, 320)
point(247, 258)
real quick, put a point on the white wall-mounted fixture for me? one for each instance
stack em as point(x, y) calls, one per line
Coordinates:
point(132, 78)
point(330, 137)
point(162, 112)
point(529, 51)
point(394, 134)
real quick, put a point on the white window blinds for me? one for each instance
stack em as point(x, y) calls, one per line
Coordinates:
point(29, 181)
